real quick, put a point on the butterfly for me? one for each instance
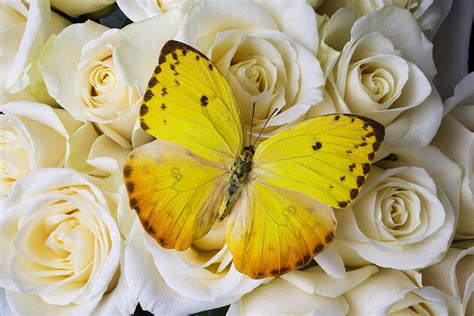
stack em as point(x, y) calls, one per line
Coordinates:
point(277, 198)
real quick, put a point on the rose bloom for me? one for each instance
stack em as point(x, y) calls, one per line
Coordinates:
point(428, 13)
point(34, 136)
point(60, 249)
point(24, 27)
point(263, 54)
point(455, 138)
point(406, 209)
point(454, 274)
point(308, 292)
point(383, 72)
point(82, 75)
point(393, 292)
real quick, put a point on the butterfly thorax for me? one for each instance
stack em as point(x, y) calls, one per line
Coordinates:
point(238, 176)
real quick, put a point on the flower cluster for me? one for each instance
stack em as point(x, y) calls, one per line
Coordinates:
point(69, 102)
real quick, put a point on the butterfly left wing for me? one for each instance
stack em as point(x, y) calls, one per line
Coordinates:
point(175, 193)
point(272, 230)
point(189, 102)
point(327, 157)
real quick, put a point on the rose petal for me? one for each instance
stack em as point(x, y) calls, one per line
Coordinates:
point(280, 297)
point(316, 280)
point(294, 18)
point(137, 53)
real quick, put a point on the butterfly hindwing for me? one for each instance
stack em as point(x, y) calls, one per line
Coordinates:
point(190, 103)
point(327, 157)
point(273, 230)
point(175, 193)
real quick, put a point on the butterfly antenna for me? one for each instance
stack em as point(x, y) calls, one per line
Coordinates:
point(264, 125)
point(251, 124)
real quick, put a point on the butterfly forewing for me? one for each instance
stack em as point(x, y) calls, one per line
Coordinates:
point(327, 157)
point(189, 102)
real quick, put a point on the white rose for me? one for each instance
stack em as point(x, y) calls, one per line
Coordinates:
point(60, 249)
point(383, 73)
point(308, 292)
point(403, 211)
point(81, 73)
point(392, 292)
point(428, 13)
point(24, 29)
point(455, 138)
point(199, 278)
point(138, 10)
point(455, 274)
point(34, 136)
point(266, 55)
point(78, 7)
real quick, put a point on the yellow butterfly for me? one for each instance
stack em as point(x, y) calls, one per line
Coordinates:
point(277, 198)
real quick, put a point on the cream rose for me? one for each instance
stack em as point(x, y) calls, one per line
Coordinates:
point(24, 29)
point(392, 292)
point(383, 73)
point(266, 55)
point(404, 210)
point(60, 250)
point(137, 10)
point(78, 7)
point(309, 292)
point(455, 274)
point(455, 138)
point(34, 136)
point(81, 73)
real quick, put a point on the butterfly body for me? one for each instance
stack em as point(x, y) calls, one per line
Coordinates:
point(238, 177)
point(276, 198)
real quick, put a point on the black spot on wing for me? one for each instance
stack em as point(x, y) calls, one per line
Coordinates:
point(143, 109)
point(318, 248)
point(148, 95)
point(354, 193)
point(329, 237)
point(317, 146)
point(360, 181)
point(204, 100)
point(366, 168)
point(130, 187)
point(152, 82)
point(127, 171)
point(342, 204)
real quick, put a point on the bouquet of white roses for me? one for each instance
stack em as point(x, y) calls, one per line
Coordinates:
point(72, 90)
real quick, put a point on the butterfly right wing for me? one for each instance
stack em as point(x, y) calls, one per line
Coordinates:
point(272, 230)
point(175, 193)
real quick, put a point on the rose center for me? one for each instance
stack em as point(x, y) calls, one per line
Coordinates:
point(251, 76)
point(378, 83)
point(61, 240)
point(103, 80)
